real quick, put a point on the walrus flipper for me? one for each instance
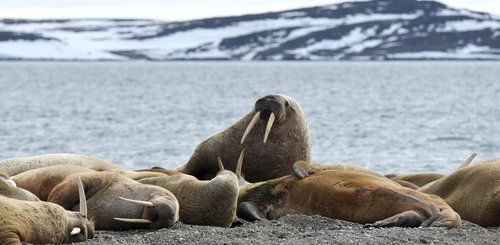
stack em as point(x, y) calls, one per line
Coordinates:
point(249, 212)
point(404, 219)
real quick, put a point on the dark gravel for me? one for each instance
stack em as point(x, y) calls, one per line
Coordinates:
point(301, 229)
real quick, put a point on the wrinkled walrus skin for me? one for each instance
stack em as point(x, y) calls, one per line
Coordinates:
point(103, 190)
point(40, 223)
point(288, 141)
point(209, 202)
point(202, 211)
point(348, 195)
point(473, 192)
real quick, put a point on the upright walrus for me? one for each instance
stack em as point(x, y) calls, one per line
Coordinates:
point(275, 135)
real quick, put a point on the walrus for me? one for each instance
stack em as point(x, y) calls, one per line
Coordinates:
point(472, 191)
point(16, 165)
point(343, 194)
point(200, 202)
point(42, 222)
point(275, 134)
point(115, 202)
point(210, 202)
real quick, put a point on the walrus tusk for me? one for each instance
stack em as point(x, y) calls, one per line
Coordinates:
point(83, 199)
point(11, 182)
point(269, 125)
point(137, 221)
point(468, 161)
point(250, 126)
point(239, 164)
point(221, 166)
point(144, 203)
point(75, 231)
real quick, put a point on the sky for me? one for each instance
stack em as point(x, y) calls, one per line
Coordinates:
point(174, 10)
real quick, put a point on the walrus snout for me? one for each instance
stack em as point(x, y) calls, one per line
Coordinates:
point(270, 104)
point(268, 109)
point(163, 214)
point(80, 228)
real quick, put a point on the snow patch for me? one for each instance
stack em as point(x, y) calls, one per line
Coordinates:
point(468, 25)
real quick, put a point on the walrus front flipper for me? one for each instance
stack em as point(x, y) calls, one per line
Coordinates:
point(404, 219)
point(249, 212)
point(302, 169)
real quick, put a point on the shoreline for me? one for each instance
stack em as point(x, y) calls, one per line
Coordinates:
point(300, 229)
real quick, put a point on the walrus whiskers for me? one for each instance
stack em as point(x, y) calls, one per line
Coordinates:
point(250, 126)
point(468, 161)
point(83, 199)
point(144, 203)
point(269, 125)
point(136, 221)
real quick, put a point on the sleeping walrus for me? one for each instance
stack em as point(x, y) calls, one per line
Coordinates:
point(201, 202)
point(343, 194)
point(472, 191)
point(115, 202)
point(275, 134)
point(41, 222)
point(207, 202)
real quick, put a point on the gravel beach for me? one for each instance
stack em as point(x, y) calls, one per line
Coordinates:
point(301, 229)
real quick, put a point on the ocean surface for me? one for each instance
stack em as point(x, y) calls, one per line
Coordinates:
point(387, 116)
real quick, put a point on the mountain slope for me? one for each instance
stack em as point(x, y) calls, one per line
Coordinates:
point(378, 29)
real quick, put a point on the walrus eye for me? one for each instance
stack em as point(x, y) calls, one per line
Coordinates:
point(287, 104)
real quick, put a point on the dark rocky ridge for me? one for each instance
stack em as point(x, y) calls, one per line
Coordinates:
point(378, 29)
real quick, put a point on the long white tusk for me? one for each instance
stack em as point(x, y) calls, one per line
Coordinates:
point(240, 164)
point(468, 161)
point(269, 125)
point(250, 126)
point(83, 199)
point(137, 221)
point(221, 165)
point(144, 203)
point(75, 231)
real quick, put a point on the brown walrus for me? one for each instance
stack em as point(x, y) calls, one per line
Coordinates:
point(349, 195)
point(42, 222)
point(472, 191)
point(115, 202)
point(275, 134)
point(210, 202)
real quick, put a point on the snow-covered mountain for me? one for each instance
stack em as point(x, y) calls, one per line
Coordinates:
point(377, 29)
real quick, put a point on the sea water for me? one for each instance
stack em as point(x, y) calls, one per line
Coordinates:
point(387, 116)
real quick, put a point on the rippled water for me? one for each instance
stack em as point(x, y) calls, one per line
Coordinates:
point(388, 116)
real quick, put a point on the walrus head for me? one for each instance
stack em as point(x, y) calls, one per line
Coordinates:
point(263, 200)
point(78, 226)
point(271, 109)
point(120, 203)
